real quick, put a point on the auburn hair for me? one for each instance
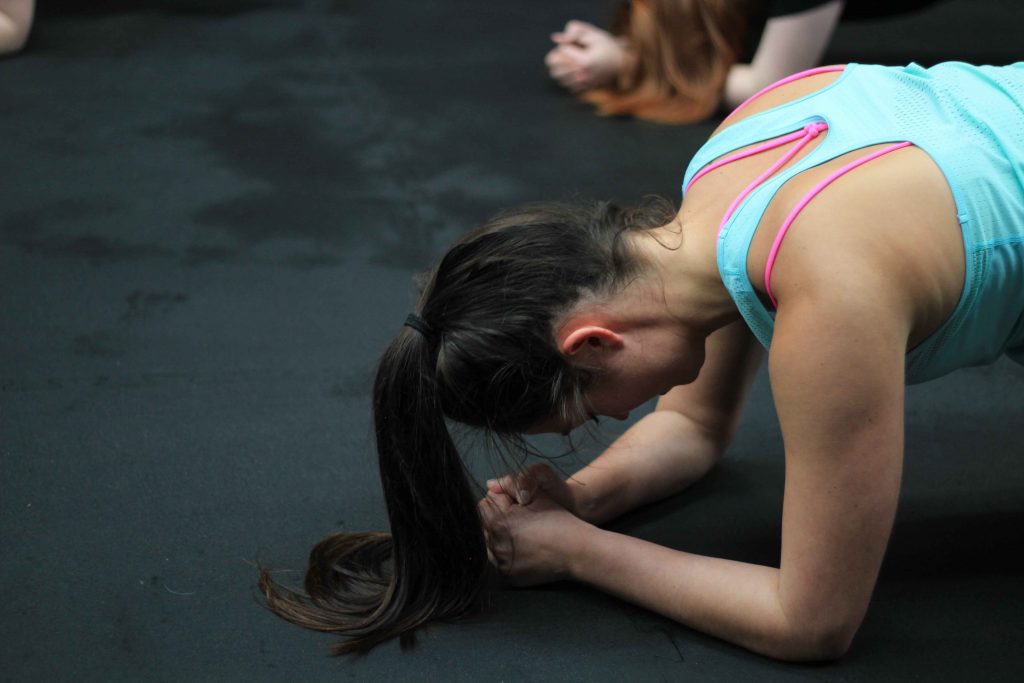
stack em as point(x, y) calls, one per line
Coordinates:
point(680, 55)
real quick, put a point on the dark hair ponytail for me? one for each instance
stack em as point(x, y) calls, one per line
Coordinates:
point(484, 355)
point(438, 553)
point(371, 586)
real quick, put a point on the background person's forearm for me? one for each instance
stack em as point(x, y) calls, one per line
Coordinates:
point(789, 44)
point(660, 455)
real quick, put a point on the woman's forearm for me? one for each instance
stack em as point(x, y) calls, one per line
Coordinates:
point(660, 455)
point(735, 601)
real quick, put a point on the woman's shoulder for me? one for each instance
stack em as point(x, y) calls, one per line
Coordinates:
point(884, 238)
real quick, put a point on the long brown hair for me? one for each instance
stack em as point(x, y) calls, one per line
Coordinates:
point(482, 353)
point(681, 51)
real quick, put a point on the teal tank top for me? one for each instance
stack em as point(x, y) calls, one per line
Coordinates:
point(970, 120)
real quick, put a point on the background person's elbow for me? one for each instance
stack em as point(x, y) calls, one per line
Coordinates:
point(12, 36)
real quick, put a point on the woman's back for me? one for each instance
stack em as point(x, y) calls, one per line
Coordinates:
point(894, 215)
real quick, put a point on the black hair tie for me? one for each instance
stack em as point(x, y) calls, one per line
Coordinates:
point(420, 325)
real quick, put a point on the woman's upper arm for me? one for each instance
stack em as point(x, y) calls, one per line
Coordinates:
point(714, 400)
point(837, 374)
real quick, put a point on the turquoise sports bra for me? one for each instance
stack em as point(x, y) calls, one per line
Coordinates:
point(969, 119)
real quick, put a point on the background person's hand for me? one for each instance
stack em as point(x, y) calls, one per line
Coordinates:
point(585, 57)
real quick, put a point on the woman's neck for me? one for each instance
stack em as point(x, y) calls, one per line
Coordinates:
point(682, 262)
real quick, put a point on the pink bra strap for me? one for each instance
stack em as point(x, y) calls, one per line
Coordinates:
point(809, 132)
point(778, 142)
point(784, 81)
point(774, 143)
point(773, 254)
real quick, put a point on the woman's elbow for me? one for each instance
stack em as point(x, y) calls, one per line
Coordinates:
point(829, 643)
point(815, 643)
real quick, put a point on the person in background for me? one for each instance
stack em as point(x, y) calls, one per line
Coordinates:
point(678, 61)
point(15, 24)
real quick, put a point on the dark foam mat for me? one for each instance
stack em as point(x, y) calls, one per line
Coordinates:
point(210, 215)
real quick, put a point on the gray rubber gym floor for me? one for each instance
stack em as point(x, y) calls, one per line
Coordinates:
point(210, 213)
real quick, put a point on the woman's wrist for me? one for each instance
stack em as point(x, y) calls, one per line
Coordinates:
point(576, 556)
point(584, 503)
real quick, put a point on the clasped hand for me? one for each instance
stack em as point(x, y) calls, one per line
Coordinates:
point(529, 527)
point(585, 57)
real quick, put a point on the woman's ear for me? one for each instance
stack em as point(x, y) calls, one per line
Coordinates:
point(588, 338)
